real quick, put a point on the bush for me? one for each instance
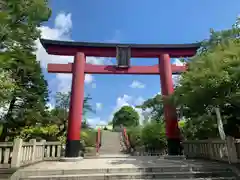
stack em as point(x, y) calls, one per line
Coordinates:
point(134, 136)
point(48, 133)
point(153, 136)
point(89, 137)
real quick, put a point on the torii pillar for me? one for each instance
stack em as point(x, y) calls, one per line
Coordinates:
point(73, 146)
point(170, 114)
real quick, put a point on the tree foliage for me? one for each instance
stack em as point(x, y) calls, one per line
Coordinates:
point(61, 110)
point(19, 31)
point(7, 87)
point(54, 127)
point(59, 114)
point(149, 137)
point(153, 136)
point(126, 116)
point(135, 136)
point(212, 81)
point(23, 89)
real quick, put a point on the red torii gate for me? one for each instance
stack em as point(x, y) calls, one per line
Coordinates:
point(123, 52)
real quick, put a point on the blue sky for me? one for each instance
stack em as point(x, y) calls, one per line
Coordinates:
point(128, 21)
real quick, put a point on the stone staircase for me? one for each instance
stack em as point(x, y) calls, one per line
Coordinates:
point(136, 168)
point(110, 143)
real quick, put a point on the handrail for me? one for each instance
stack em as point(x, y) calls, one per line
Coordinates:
point(98, 143)
point(126, 137)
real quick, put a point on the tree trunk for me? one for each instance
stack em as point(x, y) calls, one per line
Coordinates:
point(7, 119)
point(61, 132)
point(4, 133)
point(220, 124)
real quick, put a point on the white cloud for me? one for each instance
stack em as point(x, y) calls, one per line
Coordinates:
point(137, 84)
point(50, 106)
point(139, 101)
point(176, 78)
point(61, 31)
point(64, 22)
point(99, 106)
point(177, 62)
point(64, 82)
point(93, 122)
point(88, 78)
point(123, 101)
point(94, 60)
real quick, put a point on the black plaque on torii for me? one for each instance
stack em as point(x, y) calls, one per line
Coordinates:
point(123, 56)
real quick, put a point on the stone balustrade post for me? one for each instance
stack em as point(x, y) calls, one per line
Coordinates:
point(231, 148)
point(211, 150)
point(17, 153)
point(33, 152)
point(43, 148)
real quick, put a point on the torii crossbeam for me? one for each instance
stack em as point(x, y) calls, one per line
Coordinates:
point(123, 52)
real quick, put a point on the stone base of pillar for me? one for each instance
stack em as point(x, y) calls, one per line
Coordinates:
point(72, 159)
point(73, 149)
point(174, 147)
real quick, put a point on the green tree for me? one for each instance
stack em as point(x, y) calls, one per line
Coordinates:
point(200, 128)
point(6, 88)
point(211, 83)
point(54, 126)
point(126, 116)
point(19, 31)
point(59, 115)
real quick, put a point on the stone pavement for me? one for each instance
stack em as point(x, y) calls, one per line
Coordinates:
point(106, 161)
point(120, 166)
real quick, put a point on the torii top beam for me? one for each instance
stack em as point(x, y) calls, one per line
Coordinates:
point(70, 48)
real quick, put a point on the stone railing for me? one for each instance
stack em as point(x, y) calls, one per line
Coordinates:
point(222, 150)
point(18, 153)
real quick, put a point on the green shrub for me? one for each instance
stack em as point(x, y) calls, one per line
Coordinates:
point(48, 133)
point(134, 135)
point(89, 137)
point(153, 136)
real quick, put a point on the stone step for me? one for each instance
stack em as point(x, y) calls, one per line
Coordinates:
point(110, 150)
point(147, 175)
point(218, 178)
point(89, 172)
point(171, 169)
point(6, 173)
point(109, 146)
point(146, 170)
point(213, 178)
point(104, 156)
